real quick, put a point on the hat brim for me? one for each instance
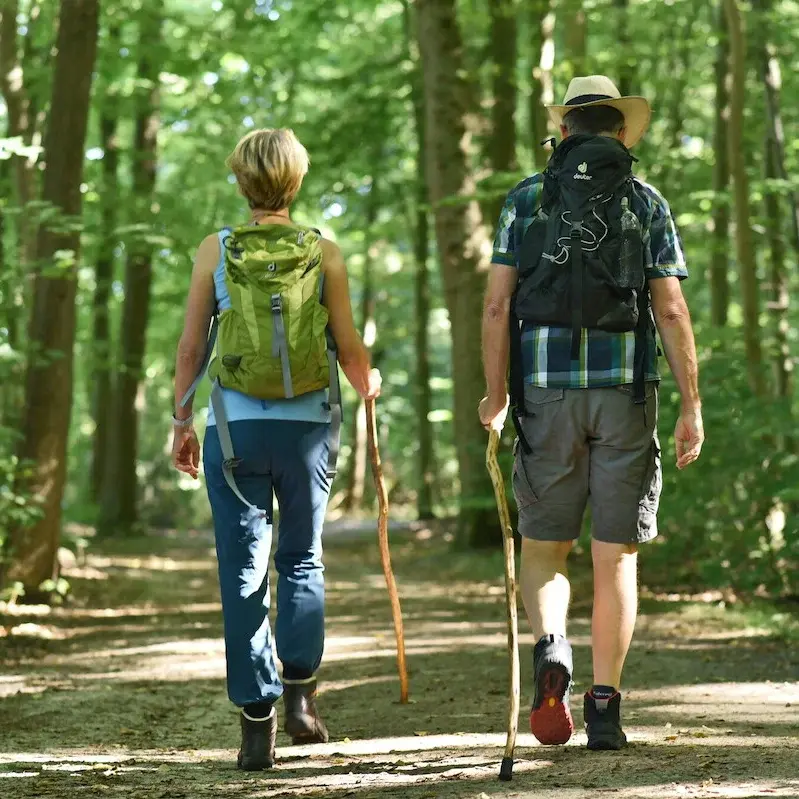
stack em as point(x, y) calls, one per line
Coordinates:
point(636, 110)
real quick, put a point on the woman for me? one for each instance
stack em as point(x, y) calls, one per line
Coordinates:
point(281, 446)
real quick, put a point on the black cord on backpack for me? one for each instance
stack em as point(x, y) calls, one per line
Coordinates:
point(516, 381)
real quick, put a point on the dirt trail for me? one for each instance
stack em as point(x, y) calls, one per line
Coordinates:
point(122, 692)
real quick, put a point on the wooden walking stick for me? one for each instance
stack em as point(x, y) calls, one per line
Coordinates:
point(385, 555)
point(506, 769)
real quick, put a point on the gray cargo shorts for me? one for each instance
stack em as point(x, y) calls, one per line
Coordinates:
point(588, 445)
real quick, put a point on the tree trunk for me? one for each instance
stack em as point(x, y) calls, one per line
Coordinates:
point(20, 121)
point(774, 169)
point(461, 244)
point(8, 278)
point(499, 140)
point(5, 185)
point(679, 70)
point(357, 475)
point(502, 138)
point(719, 256)
point(572, 17)
point(627, 64)
point(424, 400)
point(100, 387)
point(37, 46)
point(778, 280)
point(773, 83)
point(421, 284)
point(14, 59)
point(541, 33)
point(747, 264)
point(48, 389)
point(120, 490)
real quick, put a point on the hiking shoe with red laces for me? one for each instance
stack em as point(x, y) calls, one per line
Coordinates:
point(550, 718)
point(603, 722)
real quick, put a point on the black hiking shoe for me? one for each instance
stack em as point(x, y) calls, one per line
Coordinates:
point(550, 718)
point(257, 742)
point(603, 722)
point(303, 724)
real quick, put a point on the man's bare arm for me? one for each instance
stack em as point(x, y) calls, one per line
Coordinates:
point(496, 314)
point(673, 321)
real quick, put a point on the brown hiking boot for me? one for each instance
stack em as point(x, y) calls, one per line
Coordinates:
point(303, 723)
point(257, 742)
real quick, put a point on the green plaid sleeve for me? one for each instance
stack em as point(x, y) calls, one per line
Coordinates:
point(505, 241)
point(665, 257)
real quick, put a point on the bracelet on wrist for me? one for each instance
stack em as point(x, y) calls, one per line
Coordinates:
point(182, 422)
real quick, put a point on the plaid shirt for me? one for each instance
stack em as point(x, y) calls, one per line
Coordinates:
point(606, 359)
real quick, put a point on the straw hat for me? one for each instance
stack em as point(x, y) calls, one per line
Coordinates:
point(600, 90)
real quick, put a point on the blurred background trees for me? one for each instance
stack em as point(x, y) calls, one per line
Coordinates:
point(419, 116)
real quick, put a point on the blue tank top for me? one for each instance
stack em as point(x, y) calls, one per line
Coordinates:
point(311, 407)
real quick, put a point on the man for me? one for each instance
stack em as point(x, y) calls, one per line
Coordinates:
point(586, 278)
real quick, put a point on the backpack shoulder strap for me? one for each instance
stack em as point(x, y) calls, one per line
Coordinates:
point(334, 405)
point(212, 332)
point(209, 349)
point(516, 381)
point(229, 460)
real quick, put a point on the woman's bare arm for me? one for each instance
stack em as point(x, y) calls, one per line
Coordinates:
point(199, 309)
point(352, 354)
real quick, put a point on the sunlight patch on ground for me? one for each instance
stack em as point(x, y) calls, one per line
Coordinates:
point(415, 743)
point(62, 757)
point(421, 772)
point(148, 609)
point(322, 771)
point(734, 692)
point(344, 685)
point(31, 630)
point(700, 790)
point(701, 642)
point(726, 702)
point(12, 684)
point(150, 563)
point(378, 750)
point(669, 625)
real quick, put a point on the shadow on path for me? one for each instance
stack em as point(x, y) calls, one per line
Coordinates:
point(122, 691)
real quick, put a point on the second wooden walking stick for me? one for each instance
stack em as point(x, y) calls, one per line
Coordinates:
point(385, 555)
point(506, 769)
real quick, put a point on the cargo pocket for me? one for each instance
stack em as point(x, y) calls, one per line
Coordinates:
point(522, 489)
point(537, 396)
point(650, 491)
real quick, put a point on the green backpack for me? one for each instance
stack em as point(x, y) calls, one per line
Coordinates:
point(273, 341)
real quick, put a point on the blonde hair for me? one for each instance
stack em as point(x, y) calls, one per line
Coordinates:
point(269, 166)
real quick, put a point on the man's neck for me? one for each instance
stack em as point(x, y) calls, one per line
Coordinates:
point(606, 134)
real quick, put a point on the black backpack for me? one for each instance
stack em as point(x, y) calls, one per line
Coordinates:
point(581, 259)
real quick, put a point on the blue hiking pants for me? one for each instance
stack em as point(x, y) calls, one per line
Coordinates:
point(288, 458)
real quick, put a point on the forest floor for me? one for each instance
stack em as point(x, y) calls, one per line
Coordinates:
point(121, 691)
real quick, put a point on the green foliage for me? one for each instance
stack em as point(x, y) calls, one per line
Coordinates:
point(340, 75)
point(730, 520)
point(16, 509)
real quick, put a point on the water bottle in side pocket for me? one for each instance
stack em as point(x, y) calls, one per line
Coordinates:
point(631, 261)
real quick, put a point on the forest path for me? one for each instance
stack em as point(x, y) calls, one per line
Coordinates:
point(121, 693)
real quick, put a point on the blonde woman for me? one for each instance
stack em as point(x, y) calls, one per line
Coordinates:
point(281, 448)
